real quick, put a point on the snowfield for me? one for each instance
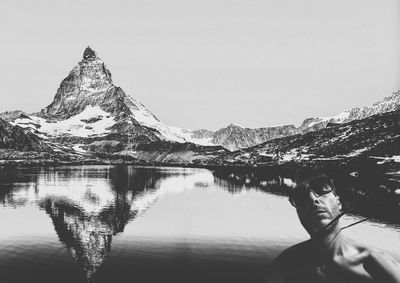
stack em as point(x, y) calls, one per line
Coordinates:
point(92, 121)
point(336, 119)
point(187, 135)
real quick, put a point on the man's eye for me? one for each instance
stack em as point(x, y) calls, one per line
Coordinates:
point(327, 188)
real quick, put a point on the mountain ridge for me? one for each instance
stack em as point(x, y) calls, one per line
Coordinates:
point(247, 137)
point(89, 114)
point(377, 136)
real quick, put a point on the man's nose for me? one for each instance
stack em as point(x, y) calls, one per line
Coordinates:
point(313, 197)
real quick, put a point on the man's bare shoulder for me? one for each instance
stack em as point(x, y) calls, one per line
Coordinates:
point(286, 260)
point(292, 256)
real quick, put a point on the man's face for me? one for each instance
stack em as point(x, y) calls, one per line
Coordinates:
point(315, 212)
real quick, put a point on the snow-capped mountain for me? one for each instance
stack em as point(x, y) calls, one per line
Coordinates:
point(88, 104)
point(390, 103)
point(234, 136)
point(89, 114)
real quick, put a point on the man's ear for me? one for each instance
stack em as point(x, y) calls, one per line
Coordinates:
point(340, 203)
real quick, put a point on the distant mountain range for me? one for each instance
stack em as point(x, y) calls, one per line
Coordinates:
point(235, 137)
point(388, 104)
point(377, 136)
point(90, 116)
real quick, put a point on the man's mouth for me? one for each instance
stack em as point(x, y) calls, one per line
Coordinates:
point(318, 211)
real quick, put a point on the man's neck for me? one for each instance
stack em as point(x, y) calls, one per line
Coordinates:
point(327, 242)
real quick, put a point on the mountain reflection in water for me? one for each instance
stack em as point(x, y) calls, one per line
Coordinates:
point(89, 205)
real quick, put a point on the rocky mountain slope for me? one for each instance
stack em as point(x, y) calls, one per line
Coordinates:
point(234, 137)
point(10, 116)
point(377, 136)
point(388, 104)
point(14, 137)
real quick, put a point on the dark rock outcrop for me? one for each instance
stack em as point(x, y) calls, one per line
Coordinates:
point(14, 137)
point(10, 116)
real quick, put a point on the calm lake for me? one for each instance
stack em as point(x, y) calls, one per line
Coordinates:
point(149, 224)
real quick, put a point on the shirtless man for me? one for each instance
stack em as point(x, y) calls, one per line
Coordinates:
point(328, 256)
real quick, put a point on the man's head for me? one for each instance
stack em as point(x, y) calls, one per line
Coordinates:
point(315, 199)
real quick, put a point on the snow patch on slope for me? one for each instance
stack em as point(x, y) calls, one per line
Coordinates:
point(188, 136)
point(92, 121)
point(146, 118)
point(357, 152)
point(340, 118)
point(78, 148)
point(394, 158)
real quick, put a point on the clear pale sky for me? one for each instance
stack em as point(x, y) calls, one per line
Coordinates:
point(208, 63)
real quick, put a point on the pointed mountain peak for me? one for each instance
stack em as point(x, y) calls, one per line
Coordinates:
point(89, 54)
